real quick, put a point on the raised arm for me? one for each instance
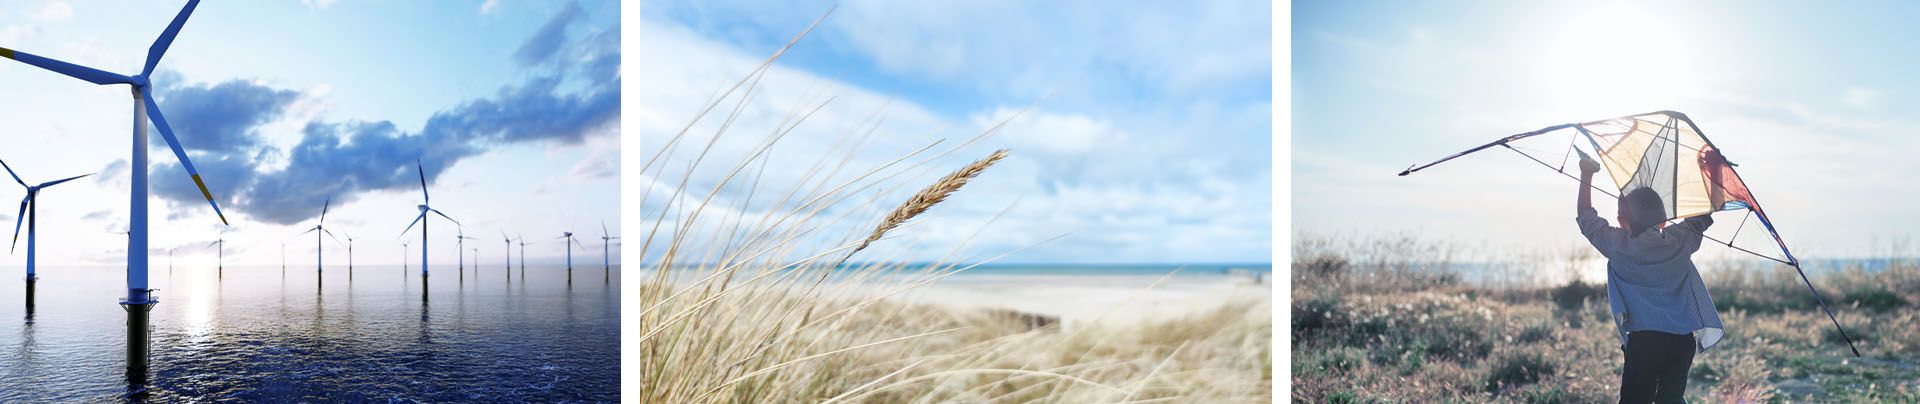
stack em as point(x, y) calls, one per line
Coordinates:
point(1604, 238)
point(1587, 168)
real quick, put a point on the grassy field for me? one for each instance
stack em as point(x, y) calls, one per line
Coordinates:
point(767, 319)
point(1391, 320)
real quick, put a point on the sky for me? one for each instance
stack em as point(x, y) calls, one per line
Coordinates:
point(1815, 102)
point(512, 107)
point(1148, 139)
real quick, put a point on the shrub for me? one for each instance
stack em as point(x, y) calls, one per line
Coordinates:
point(1574, 294)
point(1312, 315)
point(1322, 265)
point(1517, 369)
point(1874, 298)
point(1338, 360)
point(1535, 332)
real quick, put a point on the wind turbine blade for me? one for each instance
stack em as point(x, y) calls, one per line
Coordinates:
point(17, 219)
point(166, 132)
point(323, 209)
point(449, 218)
point(16, 177)
point(89, 74)
point(305, 232)
point(160, 45)
point(423, 180)
point(416, 220)
point(330, 235)
point(57, 182)
point(213, 244)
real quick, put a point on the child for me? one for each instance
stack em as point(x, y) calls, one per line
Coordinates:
point(1660, 306)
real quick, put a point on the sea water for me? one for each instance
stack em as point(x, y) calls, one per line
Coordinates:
point(252, 333)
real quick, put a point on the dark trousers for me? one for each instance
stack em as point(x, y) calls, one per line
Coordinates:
point(1657, 365)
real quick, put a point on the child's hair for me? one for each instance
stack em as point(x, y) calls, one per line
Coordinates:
point(1643, 209)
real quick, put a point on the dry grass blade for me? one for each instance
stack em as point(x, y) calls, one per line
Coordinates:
point(931, 195)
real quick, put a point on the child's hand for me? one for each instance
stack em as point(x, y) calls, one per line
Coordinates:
point(1587, 165)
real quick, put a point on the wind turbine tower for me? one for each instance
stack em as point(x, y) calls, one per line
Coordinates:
point(28, 207)
point(425, 200)
point(606, 253)
point(139, 301)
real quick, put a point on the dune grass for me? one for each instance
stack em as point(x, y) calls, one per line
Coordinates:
point(747, 295)
point(1389, 320)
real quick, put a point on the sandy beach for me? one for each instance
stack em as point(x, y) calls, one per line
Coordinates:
point(1084, 299)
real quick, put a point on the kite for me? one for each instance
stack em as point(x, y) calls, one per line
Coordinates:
point(1664, 151)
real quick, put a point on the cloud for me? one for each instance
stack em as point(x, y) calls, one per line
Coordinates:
point(317, 4)
point(112, 172)
point(1151, 179)
point(544, 43)
point(1147, 50)
point(1050, 133)
point(487, 7)
point(54, 11)
point(603, 163)
point(223, 117)
point(343, 159)
point(1864, 98)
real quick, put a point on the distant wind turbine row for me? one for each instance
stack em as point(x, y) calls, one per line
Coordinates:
point(139, 300)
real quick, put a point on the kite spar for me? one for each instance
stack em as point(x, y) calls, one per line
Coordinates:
point(1664, 151)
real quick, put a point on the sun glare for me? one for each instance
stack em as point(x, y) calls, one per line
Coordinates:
point(1617, 58)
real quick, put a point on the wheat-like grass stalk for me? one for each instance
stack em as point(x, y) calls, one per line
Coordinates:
point(739, 323)
point(929, 196)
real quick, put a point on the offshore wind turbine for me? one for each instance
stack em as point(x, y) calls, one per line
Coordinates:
point(122, 233)
point(319, 252)
point(27, 209)
point(220, 245)
point(523, 256)
point(425, 200)
point(139, 301)
point(461, 250)
point(508, 255)
point(461, 239)
point(403, 258)
point(349, 257)
point(570, 243)
point(606, 254)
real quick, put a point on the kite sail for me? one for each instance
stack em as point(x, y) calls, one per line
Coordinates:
point(1664, 151)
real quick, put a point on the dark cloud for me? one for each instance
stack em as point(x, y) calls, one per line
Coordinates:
point(550, 39)
point(223, 117)
point(342, 159)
